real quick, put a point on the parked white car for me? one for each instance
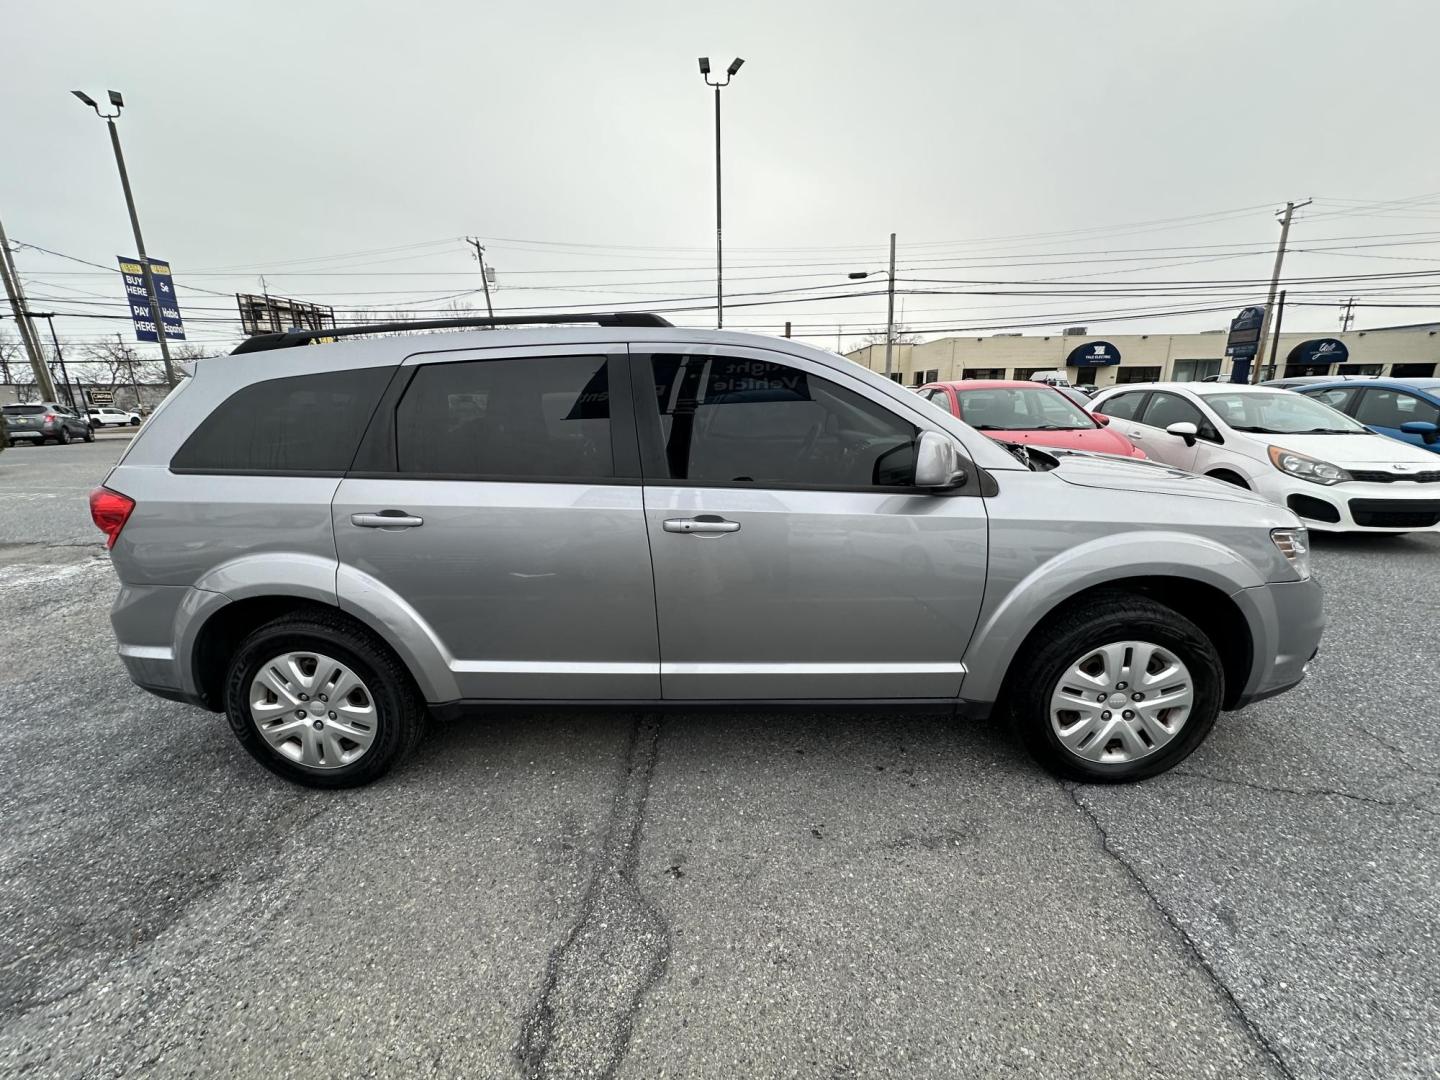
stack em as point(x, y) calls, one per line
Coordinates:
point(1335, 473)
point(106, 416)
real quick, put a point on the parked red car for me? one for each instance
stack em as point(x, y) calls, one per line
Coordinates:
point(1028, 412)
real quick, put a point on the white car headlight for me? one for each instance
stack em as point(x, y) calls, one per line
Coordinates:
point(1307, 468)
point(1294, 544)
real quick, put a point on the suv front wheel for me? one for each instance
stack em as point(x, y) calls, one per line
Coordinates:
point(319, 701)
point(1119, 690)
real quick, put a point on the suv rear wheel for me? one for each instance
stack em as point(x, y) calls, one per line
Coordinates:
point(1119, 690)
point(319, 701)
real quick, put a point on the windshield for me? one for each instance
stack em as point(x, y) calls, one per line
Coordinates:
point(1281, 412)
point(1022, 408)
point(23, 410)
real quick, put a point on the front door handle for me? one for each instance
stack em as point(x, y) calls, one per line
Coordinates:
point(1137, 435)
point(387, 519)
point(705, 525)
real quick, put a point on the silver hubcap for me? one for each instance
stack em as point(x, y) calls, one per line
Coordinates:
point(1121, 702)
point(313, 710)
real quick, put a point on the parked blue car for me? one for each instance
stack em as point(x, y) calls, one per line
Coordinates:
point(1404, 409)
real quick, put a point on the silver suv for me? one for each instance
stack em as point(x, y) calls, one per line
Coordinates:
point(331, 543)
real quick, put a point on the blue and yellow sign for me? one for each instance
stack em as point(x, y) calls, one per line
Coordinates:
point(134, 274)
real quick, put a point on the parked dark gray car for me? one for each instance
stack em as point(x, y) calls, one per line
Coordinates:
point(329, 543)
point(46, 421)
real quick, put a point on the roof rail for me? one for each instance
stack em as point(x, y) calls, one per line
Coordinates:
point(298, 336)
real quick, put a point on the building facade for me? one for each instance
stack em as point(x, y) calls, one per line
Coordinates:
point(1106, 359)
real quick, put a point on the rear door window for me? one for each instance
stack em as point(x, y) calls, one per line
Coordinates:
point(308, 425)
point(536, 418)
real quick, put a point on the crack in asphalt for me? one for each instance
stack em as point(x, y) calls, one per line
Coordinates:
point(1261, 1039)
point(598, 977)
point(1368, 800)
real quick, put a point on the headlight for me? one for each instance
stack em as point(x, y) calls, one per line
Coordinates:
point(1307, 468)
point(1294, 544)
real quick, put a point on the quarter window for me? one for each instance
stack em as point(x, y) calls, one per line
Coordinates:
point(1121, 406)
point(1337, 397)
point(522, 418)
point(731, 420)
point(308, 424)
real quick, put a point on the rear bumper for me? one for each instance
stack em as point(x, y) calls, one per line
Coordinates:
point(144, 618)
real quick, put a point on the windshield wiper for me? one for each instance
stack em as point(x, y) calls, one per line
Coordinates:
point(1328, 431)
point(1258, 430)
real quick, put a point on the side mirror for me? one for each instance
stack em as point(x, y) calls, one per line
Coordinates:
point(1426, 430)
point(938, 464)
point(1184, 429)
point(1101, 419)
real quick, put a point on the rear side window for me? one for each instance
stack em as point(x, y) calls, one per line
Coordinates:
point(307, 424)
point(523, 418)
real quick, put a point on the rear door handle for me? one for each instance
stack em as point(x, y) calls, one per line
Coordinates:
point(706, 525)
point(387, 519)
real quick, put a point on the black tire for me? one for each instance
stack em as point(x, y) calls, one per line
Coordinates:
point(89, 434)
point(64, 437)
point(1107, 618)
point(400, 712)
point(134, 421)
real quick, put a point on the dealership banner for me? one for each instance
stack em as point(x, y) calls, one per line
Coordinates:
point(134, 274)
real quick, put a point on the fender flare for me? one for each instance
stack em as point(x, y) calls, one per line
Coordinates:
point(323, 581)
point(1106, 560)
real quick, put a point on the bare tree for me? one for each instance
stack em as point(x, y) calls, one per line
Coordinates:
point(903, 336)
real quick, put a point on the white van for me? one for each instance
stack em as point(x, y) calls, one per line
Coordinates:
point(1050, 378)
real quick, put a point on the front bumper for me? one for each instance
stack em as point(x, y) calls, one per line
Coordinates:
point(1401, 506)
point(1292, 619)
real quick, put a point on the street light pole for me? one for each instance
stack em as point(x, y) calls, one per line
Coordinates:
point(155, 313)
point(719, 243)
point(890, 309)
point(860, 275)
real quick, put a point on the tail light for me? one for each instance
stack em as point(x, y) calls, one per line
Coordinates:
point(110, 510)
point(49, 418)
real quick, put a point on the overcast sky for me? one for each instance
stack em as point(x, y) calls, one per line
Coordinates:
point(1004, 142)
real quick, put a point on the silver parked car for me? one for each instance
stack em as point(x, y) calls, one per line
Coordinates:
point(329, 543)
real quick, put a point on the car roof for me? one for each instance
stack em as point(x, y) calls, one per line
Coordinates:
point(1428, 386)
point(991, 384)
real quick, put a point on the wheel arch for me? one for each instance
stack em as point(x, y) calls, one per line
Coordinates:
point(1217, 615)
point(1205, 581)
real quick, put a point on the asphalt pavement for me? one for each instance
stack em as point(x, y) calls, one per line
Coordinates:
point(833, 896)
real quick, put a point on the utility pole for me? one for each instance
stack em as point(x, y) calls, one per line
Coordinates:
point(484, 274)
point(60, 359)
point(155, 313)
point(890, 308)
point(1290, 208)
point(787, 328)
point(1349, 317)
point(1275, 337)
point(14, 291)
